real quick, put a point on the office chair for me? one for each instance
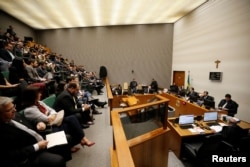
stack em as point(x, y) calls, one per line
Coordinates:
point(125, 88)
point(232, 134)
point(200, 153)
point(139, 89)
point(6, 74)
point(244, 146)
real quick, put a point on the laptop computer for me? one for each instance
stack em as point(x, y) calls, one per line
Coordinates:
point(211, 118)
point(186, 121)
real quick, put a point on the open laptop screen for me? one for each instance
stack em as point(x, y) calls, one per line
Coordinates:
point(210, 116)
point(186, 119)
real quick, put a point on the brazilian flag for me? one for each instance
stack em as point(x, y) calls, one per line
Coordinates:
point(188, 83)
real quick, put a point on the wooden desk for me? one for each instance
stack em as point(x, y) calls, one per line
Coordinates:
point(244, 125)
point(177, 135)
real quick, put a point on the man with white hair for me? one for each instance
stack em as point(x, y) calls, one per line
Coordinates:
point(21, 146)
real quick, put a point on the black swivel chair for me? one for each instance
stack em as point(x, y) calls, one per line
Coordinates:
point(244, 146)
point(199, 153)
point(233, 134)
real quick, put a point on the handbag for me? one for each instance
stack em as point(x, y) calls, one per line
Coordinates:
point(59, 119)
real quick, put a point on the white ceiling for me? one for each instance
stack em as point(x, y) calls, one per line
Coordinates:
point(52, 14)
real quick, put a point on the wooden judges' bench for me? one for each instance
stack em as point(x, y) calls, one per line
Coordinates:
point(182, 106)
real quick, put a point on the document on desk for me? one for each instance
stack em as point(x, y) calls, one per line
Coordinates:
point(196, 130)
point(216, 128)
point(55, 139)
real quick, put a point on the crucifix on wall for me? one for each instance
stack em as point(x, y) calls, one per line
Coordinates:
point(217, 62)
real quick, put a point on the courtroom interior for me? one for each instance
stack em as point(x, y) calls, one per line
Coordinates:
point(128, 84)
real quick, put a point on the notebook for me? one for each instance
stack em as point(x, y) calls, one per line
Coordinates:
point(186, 121)
point(211, 118)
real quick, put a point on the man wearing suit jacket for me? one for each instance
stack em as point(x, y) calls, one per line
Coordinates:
point(6, 52)
point(228, 105)
point(204, 97)
point(68, 102)
point(21, 146)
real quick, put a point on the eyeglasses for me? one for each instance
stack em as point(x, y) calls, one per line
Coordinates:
point(12, 109)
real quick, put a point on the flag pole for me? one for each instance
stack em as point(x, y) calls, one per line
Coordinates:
point(188, 83)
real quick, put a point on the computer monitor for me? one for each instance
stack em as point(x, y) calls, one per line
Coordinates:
point(210, 116)
point(186, 119)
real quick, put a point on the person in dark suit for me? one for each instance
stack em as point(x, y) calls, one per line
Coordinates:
point(133, 86)
point(153, 86)
point(228, 105)
point(21, 146)
point(17, 71)
point(204, 97)
point(67, 101)
point(6, 52)
point(173, 88)
point(193, 95)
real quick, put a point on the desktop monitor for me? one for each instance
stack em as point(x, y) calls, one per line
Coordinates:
point(210, 116)
point(186, 119)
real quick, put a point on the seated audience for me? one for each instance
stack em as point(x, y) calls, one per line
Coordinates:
point(60, 87)
point(39, 113)
point(30, 66)
point(4, 65)
point(46, 84)
point(228, 105)
point(93, 82)
point(18, 49)
point(20, 145)
point(45, 71)
point(6, 52)
point(8, 89)
point(85, 96)
point(67, 101)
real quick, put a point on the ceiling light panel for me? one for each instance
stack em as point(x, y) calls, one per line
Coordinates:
point(52, 14)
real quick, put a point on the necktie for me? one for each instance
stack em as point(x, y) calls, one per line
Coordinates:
point(26, 129)
point(11, 54)
point(41, 108)
point(224, 106)
point(75, 102)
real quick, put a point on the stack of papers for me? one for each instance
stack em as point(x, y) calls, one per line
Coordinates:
point(55, 139)
point(216, 128)
point(196, 130)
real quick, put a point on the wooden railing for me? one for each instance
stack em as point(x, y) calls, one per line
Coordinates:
point(109, 91)
point(138, 151)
